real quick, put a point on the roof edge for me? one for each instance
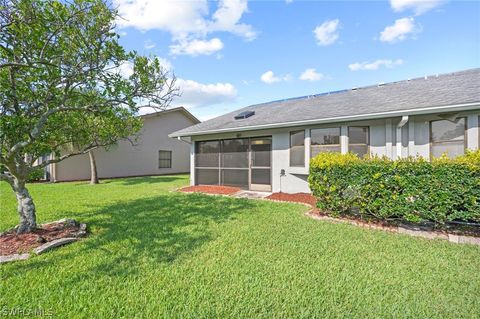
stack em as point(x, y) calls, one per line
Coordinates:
point(175, 109)
point(427, 110)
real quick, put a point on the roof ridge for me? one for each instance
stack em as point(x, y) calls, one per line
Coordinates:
point(380, 84)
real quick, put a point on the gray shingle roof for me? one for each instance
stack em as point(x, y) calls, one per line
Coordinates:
point(461, 87)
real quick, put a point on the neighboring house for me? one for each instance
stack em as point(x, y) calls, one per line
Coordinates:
point(268, 146)
point(153, 153)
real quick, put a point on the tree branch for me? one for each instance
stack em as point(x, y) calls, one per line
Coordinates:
point(6, 177)
point(38, 127)
point(63, 157)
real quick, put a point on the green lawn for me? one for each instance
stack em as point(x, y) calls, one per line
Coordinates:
point(153, 253)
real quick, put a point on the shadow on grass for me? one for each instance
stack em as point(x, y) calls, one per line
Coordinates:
point(144, 180)
point(153, 230)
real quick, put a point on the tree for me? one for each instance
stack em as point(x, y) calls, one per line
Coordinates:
point(107, 131)
point(63, 89)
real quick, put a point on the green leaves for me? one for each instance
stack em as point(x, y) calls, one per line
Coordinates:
point(61, 75)
point(63, 90)
point(408, 189)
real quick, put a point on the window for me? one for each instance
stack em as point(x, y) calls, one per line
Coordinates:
point(324, 140)
point(358, 141)
point(297, 148)
point(164, 159)
point(447, 137)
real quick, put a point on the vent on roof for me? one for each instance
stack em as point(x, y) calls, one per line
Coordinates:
point(244, 115)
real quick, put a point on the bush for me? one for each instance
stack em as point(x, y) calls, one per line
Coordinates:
point(410, 189)
point(36, 175)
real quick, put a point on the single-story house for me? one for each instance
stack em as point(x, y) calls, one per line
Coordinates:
point(153, 153)
point(268, 146)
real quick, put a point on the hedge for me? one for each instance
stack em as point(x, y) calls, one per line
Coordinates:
point(411, 189)
point(36, 175)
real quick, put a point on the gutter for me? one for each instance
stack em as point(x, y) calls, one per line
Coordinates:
point(427, 110)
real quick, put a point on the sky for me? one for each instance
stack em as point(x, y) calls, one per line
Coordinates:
point(234, 53)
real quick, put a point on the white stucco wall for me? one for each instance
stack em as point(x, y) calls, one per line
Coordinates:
point(415, 141)
point(142, 159)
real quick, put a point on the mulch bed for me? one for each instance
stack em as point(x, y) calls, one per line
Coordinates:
point(11, 243)
point(211, 189)
point(294, 198)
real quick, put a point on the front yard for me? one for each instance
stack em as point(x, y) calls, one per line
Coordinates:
point(155, 253)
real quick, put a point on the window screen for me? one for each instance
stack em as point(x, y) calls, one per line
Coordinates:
point(235, 153)
point(206, 176)
point(207, 154)
point(164, 159)
point(324, 140)
point(358, 140)
point(447, 137)
point(297, 148)
point(235, 177)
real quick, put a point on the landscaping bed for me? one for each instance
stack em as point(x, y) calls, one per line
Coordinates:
point(211, 189)
point(13, 243)
point(303, 198)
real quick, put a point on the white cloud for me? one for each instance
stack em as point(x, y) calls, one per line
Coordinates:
point(327, 32)
point(165, 64)
point(149, 44)
point(375, 65)
point(125, 69)
point(399, 30)
point(177, 17)
point(227, 18)
point(195, 94)
point(288, 1)
point(185, 20)
point(311, 75)
point(418, 6)
point(196, 47)
point(269, 77)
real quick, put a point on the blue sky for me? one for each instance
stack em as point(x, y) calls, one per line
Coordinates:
point(234, 53)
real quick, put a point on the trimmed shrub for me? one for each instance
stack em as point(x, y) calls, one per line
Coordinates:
point(410, 189)
point(36, 175)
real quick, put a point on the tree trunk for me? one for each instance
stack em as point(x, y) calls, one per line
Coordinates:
point(93, 169)
point(25, 208)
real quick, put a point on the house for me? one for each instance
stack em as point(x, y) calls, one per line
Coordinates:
point(267, 147)
point(153, 153)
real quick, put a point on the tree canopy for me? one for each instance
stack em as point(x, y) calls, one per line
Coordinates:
point(63, 91)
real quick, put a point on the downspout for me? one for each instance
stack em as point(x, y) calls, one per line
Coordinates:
point(401, 124)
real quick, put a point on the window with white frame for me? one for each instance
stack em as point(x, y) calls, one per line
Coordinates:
point(297, 148)
point(448, 137)
point(324, 140)
point(164, 159)
point(358, 140)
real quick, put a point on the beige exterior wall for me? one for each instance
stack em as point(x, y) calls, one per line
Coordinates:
point(124, 159)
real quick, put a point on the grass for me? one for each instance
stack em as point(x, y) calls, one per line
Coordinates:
point(153, 253)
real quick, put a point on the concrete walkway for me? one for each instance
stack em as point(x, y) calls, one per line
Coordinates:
point(251, 194)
